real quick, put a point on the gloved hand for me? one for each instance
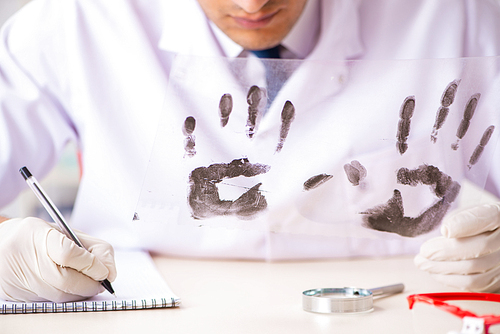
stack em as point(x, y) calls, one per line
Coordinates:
point(38, 263)
point(467, 256)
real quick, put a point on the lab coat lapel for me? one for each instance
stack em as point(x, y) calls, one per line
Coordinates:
point(325, 71)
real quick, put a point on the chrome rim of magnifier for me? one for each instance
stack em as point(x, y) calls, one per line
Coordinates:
point(345, 300)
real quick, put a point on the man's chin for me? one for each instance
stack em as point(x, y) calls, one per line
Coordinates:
point(256, 40)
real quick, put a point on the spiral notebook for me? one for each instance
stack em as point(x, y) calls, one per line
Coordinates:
point(139, 285)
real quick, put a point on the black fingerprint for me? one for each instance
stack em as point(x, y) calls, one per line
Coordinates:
point(446, 100)
point(470, 108)
point(440, 118)
point(480, 147)
point(316, 181)
point(449, 93)
point(189, 142)
point(405, 115)
point(225, 108)
point(254, 97)
point(355, 172)
point(287, 117)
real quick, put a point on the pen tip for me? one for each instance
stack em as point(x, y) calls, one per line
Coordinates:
point(25, 172)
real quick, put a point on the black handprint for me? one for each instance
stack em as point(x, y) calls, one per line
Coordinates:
point(203, 197)
point(389, 217)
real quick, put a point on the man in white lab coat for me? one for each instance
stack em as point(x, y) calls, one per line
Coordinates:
point(98, 73)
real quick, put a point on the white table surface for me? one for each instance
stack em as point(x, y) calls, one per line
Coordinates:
point(251, 297)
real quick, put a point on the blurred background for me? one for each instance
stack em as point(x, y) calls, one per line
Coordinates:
point(62, 183)
point(8, 7)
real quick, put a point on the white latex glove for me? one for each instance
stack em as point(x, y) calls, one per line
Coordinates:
point(467, 256)
point(38, 263)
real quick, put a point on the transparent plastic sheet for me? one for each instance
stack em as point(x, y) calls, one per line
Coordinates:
point(360, 149)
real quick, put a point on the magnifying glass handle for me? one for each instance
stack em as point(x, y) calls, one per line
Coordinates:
point(387, 290)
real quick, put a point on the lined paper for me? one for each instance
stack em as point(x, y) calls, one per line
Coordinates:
point(139, 285)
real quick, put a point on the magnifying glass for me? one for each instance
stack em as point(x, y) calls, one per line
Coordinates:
point(345, 300)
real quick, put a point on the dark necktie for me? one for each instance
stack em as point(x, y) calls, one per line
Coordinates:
point(274, 79)
point(272, 53)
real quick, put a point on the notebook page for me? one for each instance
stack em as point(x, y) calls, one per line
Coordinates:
point(139, 285)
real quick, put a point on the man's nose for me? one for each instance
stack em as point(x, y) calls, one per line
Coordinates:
point(251, 6)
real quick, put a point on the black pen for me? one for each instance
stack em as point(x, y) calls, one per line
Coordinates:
point(55, 214)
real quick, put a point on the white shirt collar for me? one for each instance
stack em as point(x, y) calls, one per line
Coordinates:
point(298, 43)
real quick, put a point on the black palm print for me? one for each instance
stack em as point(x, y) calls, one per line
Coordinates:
point(205, 202)
point(203, 197)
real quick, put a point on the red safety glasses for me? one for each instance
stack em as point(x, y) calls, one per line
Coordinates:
point(438, 300)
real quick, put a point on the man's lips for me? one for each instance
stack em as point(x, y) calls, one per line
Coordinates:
point(254, 22)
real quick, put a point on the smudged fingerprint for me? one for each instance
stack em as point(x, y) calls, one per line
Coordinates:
point(470, 108)
point(189, 142)
point(287, 117)
point(405, 115)
point(480, 147)
point(204, 199)
point(355, 172)
point(316, 181)
point(427, 175)
point(446, 100)
point(254, 98)
point(389, 217)
point(225, 108)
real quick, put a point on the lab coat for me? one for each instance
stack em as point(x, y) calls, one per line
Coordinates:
point(100, 73)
